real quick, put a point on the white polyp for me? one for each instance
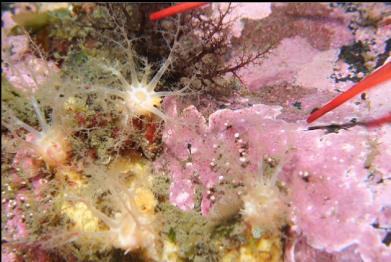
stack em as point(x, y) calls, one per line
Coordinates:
point(147, 71)
point(158, 113)
point(25, 126)
point(41, 119)
point(155, 80)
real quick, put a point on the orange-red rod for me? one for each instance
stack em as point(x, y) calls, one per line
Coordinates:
point(378, 122)
point(179, 8)
point(379, 76)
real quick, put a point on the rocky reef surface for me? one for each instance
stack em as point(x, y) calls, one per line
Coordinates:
point(186, 139)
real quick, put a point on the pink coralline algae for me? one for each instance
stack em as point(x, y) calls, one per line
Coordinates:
point(15, 222)
point(378, 99)
point(17, 46)
point(299, 250)
point(17, 229)
point(22, 69)
point(29, 73)
point(36, 255)
point(244, 11)
point(284, 62)
point(12, 47)
point(209, 152)
point(296, 67)
point(25, 161)
point(322, 26)
point(335, 204)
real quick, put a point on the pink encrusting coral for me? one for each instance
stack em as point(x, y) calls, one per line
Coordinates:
point(322, 26)
point(224, 148)
point(284, 62)
point(334, 203)
point(243, 11)
point(17, 46)
point(383, 153)
point(17, 231)
point(299, 250)
point(306, 72)
point(29, 72)
point(378, 101)
point(15, 223)
point(22, 69)
point(26, 162)
point(338, 182)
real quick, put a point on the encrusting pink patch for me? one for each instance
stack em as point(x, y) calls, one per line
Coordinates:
point(333, 202)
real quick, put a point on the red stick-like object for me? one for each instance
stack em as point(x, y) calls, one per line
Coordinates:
point(175, 9)
point(378, 122)
point(379, 76)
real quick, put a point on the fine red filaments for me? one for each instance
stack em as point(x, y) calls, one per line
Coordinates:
point(381, 75)
point(176, 9)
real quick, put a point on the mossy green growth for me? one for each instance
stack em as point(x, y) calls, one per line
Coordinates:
point(161, 187)
point(198, 238)
point(189, 230)
point(231, 233)
point(30, 21)
point(96, 133)
point(64, 26)
point(78, 66)
point(36, 21)
point(103, 142)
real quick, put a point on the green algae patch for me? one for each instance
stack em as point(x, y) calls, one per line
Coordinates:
point(197, 237)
